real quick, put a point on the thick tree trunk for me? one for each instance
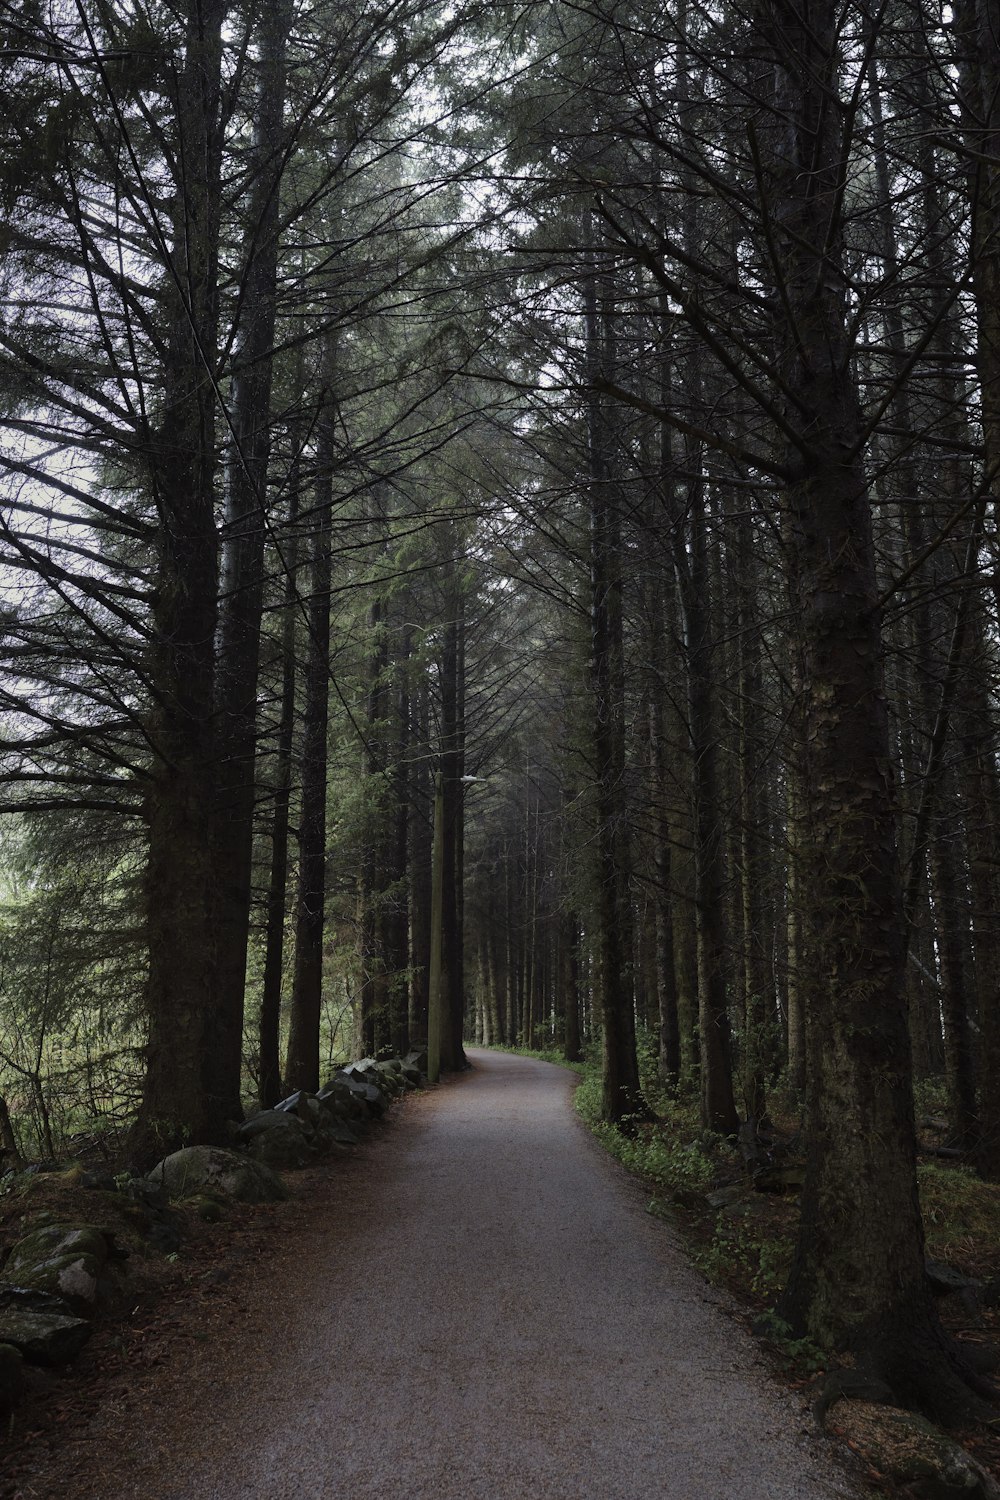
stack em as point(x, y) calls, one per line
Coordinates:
point(243, 556)
point(187, 1092)
point(858, 1278)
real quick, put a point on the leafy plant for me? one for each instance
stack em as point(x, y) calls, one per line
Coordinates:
point(761, 1260)
point(803, 1353)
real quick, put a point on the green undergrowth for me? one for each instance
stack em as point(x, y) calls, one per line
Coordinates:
point(961, 1217)
point(672, 1155)
point(747, 1246)
point(751, 1257)
point(541, 1054)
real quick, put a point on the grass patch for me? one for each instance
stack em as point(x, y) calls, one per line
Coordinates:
point(961, 1217)
point(541, 1054)
point(664, 1154)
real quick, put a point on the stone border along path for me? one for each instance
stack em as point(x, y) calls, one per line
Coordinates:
point(492, 1314)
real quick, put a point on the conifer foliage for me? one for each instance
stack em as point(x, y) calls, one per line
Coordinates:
point(519, 482)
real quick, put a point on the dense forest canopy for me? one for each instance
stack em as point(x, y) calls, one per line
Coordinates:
point(506, 496)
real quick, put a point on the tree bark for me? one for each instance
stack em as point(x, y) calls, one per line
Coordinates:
point(622, 1099)
point(187, 1092)
point(269, 1080)
point(302, 1062)
point(243, 555)
point(858, 1278)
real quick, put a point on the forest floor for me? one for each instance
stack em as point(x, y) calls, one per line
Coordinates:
point(474, 1304)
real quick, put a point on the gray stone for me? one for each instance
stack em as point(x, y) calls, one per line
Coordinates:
point(373, 1098)
point(278, 1121)
point(43, 1337)
point(349, 1081)
point(787, 1179)
point(195, 1168)
point(912, 1451)
point(376, 1100)
point(11, 1376)
point(360, 1069)
point(306, 1106)
point(31, 1299)
point(338, 1104)
point(53, 1241)
point(945, 1280)
point(954, 1290)
point(723, 1197)
point(279, 1139)
point(66, 1261)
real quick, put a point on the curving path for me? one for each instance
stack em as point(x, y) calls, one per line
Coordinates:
point(496, 1316)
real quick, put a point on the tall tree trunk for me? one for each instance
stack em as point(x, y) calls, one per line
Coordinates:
point(457, 936)
point(374, 875)
point(302, 1063)
point(398, 916)
point(797, 973)
point(718, 1107)
point(269, 1081)
point(758, 981)
point(452, 998)
point(184, 1099)
point(858, 1277)
point(243, 556)
point(978, 54)
point(669, 1049)
point(622, 1098)
point(981, 789)
point(420, 835)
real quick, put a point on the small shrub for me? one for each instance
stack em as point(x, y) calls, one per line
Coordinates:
point(805, 1356)
point(738, 1252)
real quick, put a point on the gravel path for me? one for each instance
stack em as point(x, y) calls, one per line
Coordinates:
point(495, 1316)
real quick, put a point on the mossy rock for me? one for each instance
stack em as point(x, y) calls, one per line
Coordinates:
point(190, 1171)
point(40, 1327)
point(67, 1261)
point(339, 1098)
point(282, 1142)
point(910, 1450)
point(209, 1208)
point(51, 1241)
